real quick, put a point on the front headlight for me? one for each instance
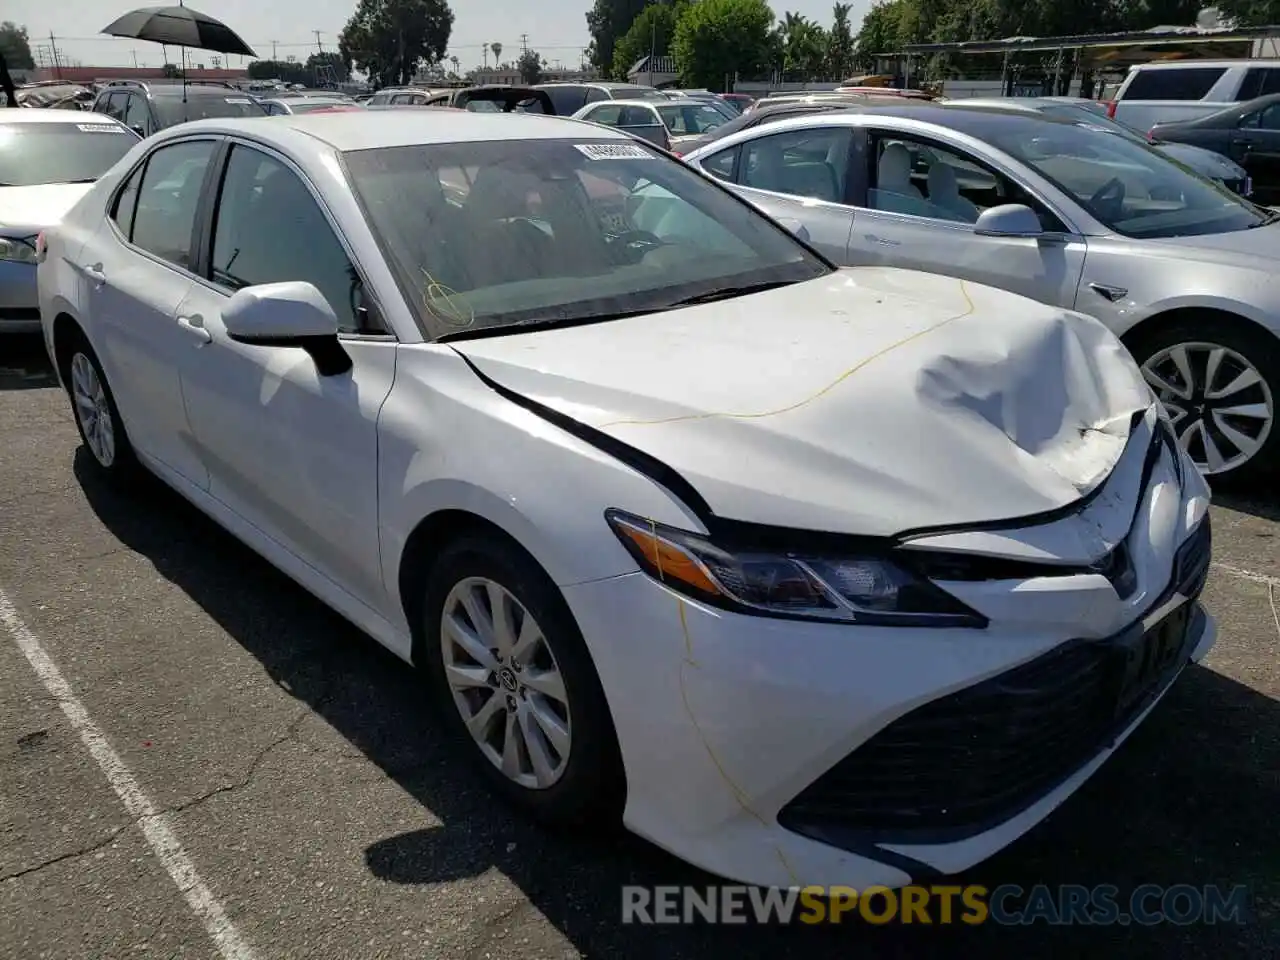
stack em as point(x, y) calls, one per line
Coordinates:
point(872, 590)
point(18, 250)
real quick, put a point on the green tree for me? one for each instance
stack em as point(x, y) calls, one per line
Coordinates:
point(280, 70)
point(716, 39)
point(878, 33)
point(656, 26)
point(1251, 13)
point(16, 46)
point(530, 66)
point(497, 54)
point(804, 47)
point(608, 22)
point(321, 62)
point(840, 44)
point(390, 39)
point(172, 71)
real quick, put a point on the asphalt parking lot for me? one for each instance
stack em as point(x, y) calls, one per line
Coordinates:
point(309, 798)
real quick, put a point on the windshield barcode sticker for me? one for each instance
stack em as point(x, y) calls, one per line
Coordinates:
point(237, 100)
point(100, 128)
point(613, 151)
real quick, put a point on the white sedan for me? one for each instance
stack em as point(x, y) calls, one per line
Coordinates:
point(48, 159)
point(1182, 269)
point(813, 576)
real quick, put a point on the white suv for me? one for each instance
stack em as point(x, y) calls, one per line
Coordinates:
point(1160, 92)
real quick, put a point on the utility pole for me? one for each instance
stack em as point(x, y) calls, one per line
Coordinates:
point(274, 58)
point(57, 64)
point(135, 58)
point(319, 45)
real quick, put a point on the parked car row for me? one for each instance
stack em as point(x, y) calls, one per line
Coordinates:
point(1182, 269)
point(863, 571)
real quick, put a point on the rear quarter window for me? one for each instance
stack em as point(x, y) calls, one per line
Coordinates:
point(566, 100)
point(1183, 83)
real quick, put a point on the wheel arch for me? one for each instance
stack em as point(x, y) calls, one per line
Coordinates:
point(66, 331)
point(1144, 329)
point(431, 535)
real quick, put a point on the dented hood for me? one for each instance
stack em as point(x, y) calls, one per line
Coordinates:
point(871, 401)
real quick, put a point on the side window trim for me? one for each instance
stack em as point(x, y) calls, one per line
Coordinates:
point(213, 196)
point(875, 134)
point(141, 170)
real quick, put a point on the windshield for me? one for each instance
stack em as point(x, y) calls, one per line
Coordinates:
point(1078, 114)
point(689, 120)
point(32, 153)
point(1125, 184)
point(201, 107)
point(494, 234)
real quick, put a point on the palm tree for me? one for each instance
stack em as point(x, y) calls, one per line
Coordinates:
point(497, 54)
point(457, 64)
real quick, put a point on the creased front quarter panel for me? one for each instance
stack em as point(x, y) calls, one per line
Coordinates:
point(448, 442)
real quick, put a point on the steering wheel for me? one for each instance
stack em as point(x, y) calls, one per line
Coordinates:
point(1110, 195)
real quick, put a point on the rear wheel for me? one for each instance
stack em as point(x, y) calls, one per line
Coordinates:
point(97, 417)
point(516, 684)
point(1220, 385)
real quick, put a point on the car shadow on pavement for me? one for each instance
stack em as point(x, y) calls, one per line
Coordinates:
point(24, 363)
point(1191, 798)
point(1263, 505)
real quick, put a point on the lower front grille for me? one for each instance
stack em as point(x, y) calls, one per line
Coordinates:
point(966, 762)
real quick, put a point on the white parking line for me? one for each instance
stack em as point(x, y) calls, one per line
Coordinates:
point(155, 825)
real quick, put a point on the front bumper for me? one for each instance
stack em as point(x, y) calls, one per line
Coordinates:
point(19, 300)
point(787, 753)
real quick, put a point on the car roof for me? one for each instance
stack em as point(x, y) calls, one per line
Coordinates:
point(52, 115)
point(370, 129)
point(190, 89)
point(1187, 64)
point(606, 84)
point(976, 121)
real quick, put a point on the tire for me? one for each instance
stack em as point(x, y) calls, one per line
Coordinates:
point(93, 407)
point(1198, 338)
point(587, 786)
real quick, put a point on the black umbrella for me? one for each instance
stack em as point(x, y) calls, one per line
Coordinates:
point(179, 27)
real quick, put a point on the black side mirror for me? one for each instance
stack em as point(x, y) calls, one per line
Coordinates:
point(137, 128)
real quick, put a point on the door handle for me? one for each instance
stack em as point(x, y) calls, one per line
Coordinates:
point(195, 324)
point(96, 274)
point(884, 241)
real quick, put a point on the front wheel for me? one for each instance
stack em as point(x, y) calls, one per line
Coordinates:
point(515, 682)
point(1220, 386)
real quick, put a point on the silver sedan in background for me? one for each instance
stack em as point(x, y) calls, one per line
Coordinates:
point(1186, 272)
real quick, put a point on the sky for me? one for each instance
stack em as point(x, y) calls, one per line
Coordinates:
point(556, 28)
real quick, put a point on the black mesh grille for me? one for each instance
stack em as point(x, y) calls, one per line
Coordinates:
point(968, 761)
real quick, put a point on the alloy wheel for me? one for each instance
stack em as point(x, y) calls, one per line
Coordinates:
point(93, 410)
point(1221, 407)
point(505, 682)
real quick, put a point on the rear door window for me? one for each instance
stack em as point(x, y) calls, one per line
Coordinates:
point(1259, 82)
point(1181, 83)
point(567, 100)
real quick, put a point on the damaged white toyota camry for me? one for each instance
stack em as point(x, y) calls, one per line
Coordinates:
point(812, 576)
